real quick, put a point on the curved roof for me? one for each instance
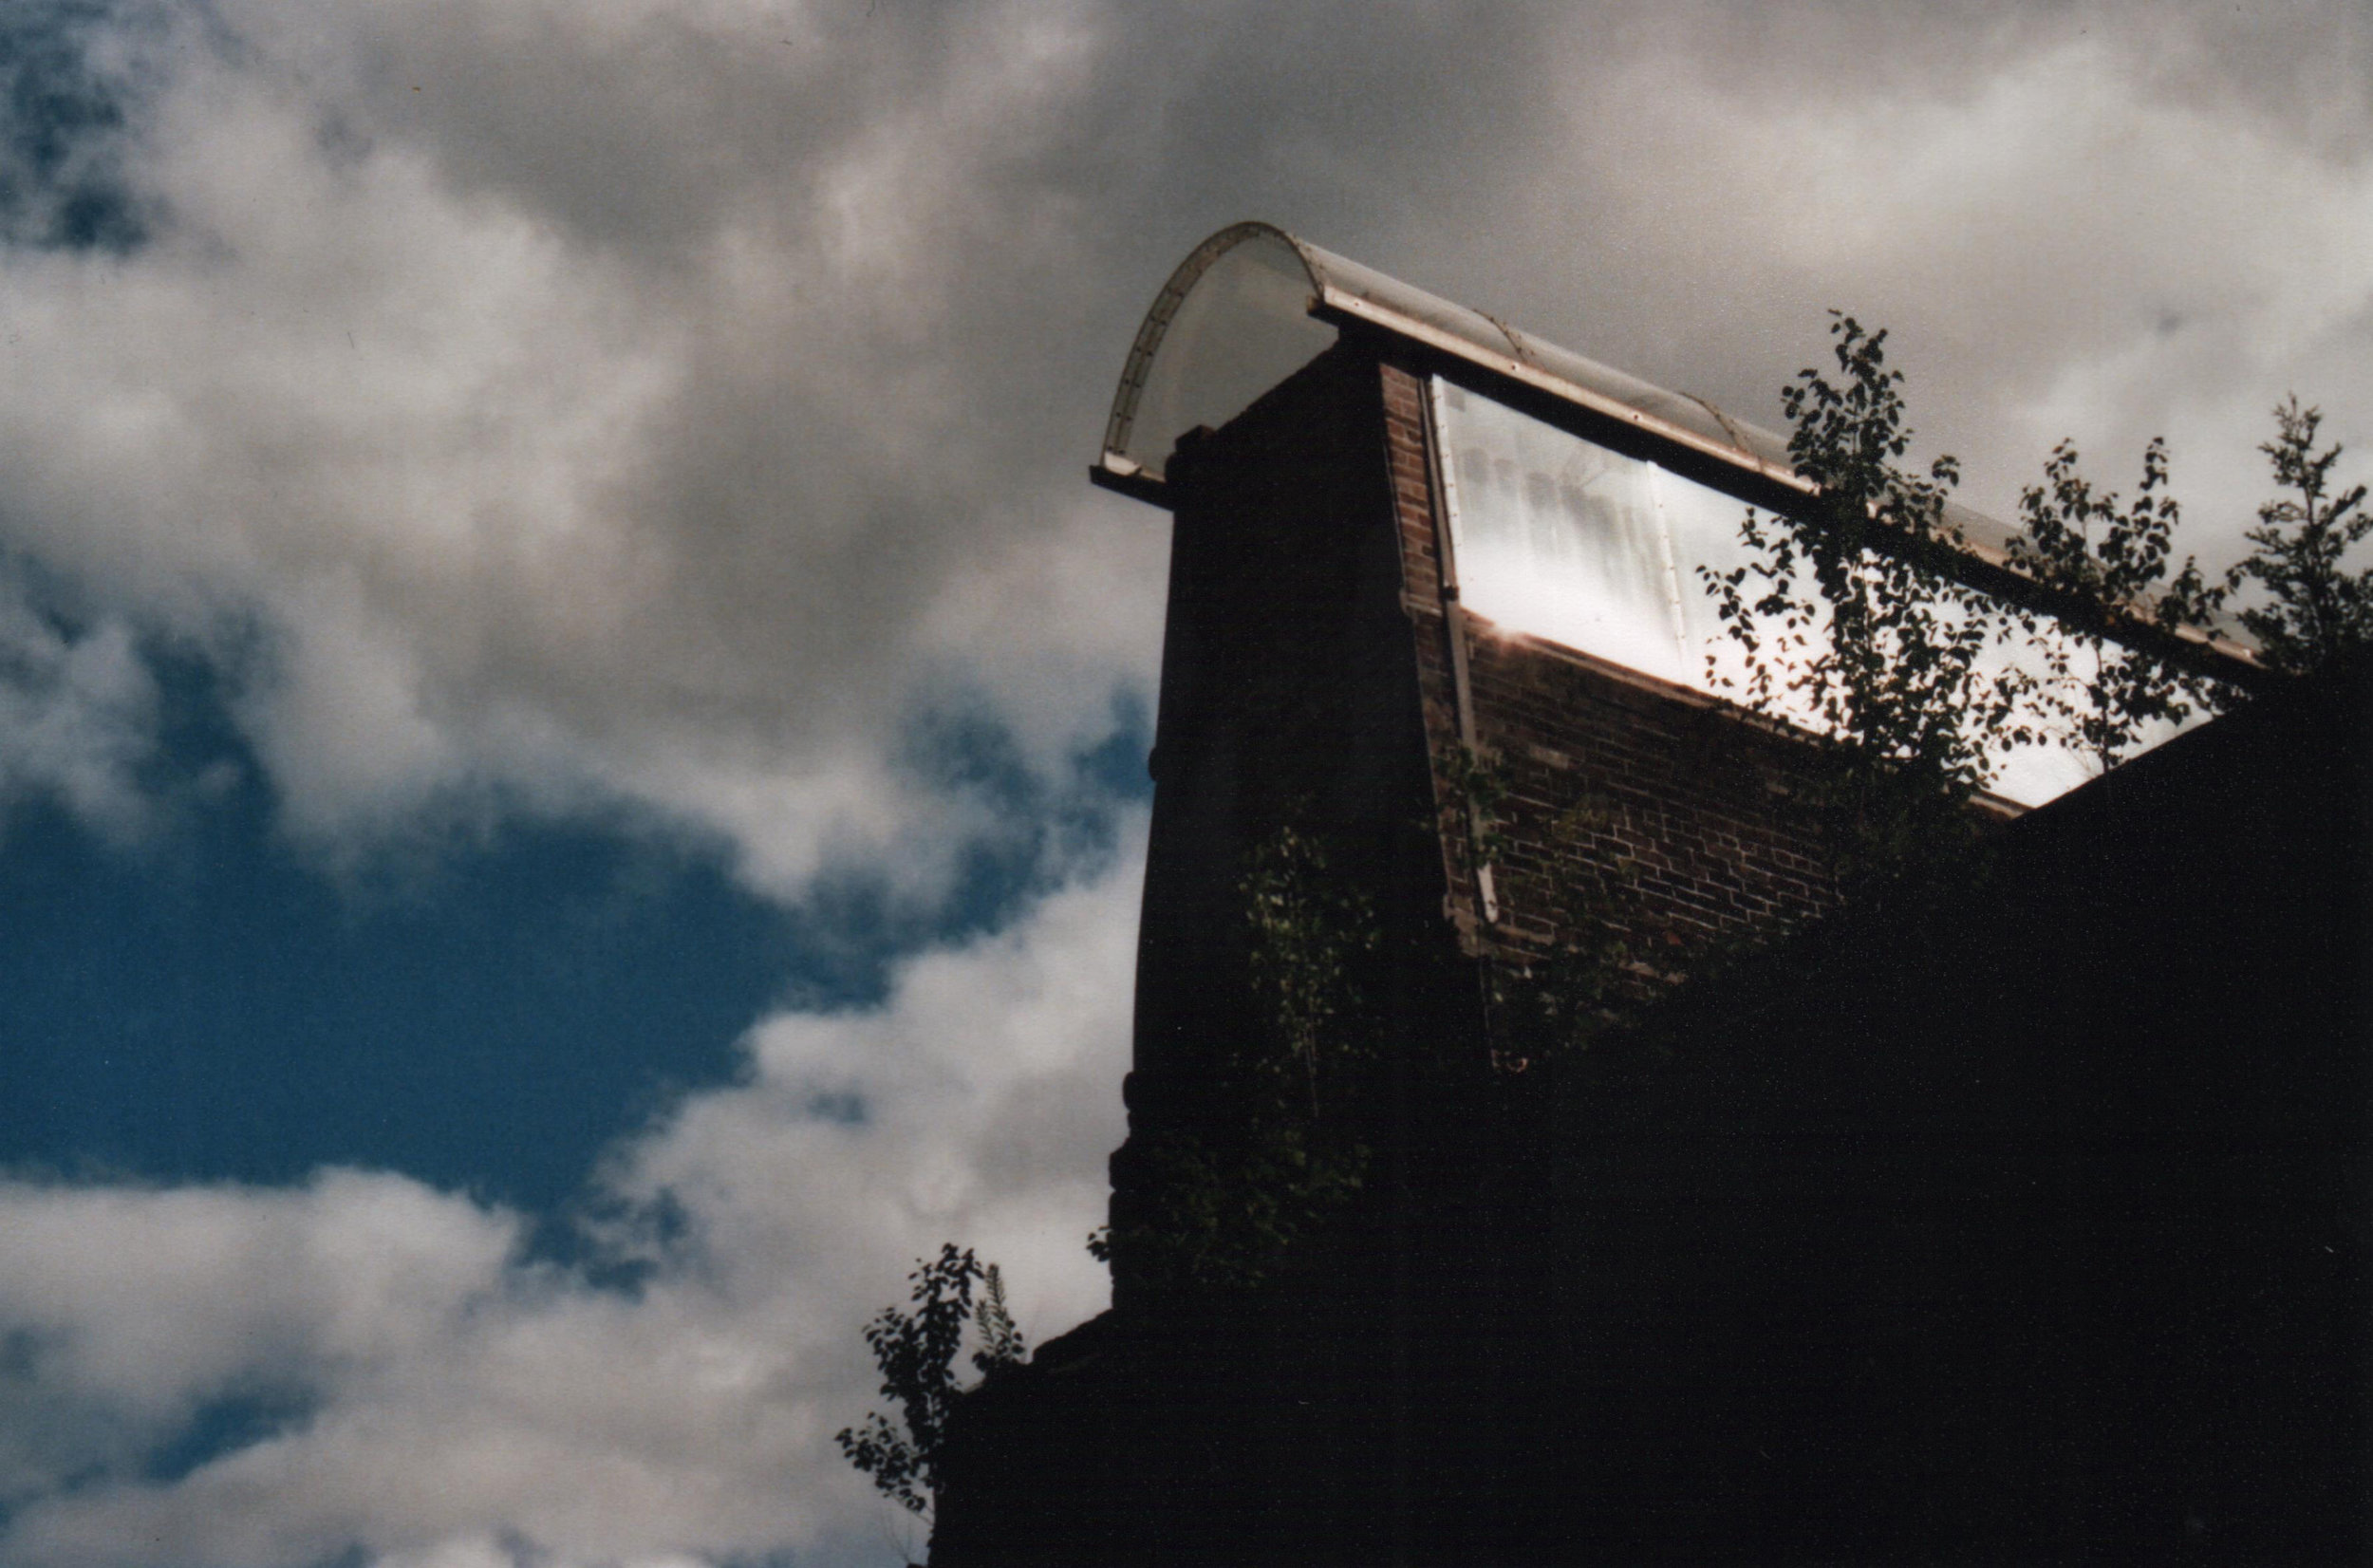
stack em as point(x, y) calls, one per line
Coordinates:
point(1252, 305)
point(1247, 307)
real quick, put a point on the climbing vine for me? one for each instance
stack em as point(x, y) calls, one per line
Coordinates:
point(1286, 1144)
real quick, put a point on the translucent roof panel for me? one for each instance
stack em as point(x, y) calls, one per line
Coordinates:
point(1558, 537)
point(1252, 305)
point(1570, 541)
point(1233, 321)
point(1347, 285)
point(1236, 318)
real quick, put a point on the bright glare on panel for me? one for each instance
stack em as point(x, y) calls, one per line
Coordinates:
point(1561, 538)
point(1565, 540)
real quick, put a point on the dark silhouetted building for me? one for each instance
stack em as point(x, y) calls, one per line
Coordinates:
point(2019, 1216)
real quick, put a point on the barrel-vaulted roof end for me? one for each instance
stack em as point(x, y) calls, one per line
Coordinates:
point(1252, 303)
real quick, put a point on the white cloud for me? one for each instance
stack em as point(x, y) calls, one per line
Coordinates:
point(462, 1406)
point(653, 406)
point(683, 495)
point(76, 712)
point(660, 404)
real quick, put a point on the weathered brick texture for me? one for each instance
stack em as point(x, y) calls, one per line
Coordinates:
point(1308, 677)
point(1630, 799)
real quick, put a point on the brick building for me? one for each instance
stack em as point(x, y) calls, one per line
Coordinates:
point(1403, 532)
point(2024, 1220)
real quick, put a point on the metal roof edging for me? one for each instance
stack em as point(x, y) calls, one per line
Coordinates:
point(1332, 298)
point(1115, 472)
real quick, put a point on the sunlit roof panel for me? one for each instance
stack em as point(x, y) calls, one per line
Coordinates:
point(1558, 537)
point(1233, 322)
point(1252, 305)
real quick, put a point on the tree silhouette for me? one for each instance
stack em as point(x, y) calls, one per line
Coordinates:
point(1848, 631)
point(2314, 608)
point(2101, 695)
point(916, 1353)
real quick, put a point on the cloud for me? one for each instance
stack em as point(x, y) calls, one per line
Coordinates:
point(61, 126)
point(670, 410)
point(2090, 220)
point(500, 488)
point(77, 708)
point(661, 406)
point(432, 1393)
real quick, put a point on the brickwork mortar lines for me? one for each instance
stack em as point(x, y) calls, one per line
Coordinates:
point(1603, 768)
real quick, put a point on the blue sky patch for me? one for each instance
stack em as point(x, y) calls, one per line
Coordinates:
point(221, 1011)
point(1053, 830)
point(224, 1426)
point(63, 124)
point(486, 1018)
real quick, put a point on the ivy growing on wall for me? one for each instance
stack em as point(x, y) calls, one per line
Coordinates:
point(1293, 1144)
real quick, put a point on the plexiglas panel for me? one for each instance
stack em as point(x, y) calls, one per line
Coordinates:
point(1237, 327)
point(1565, 540)
point(1348, 280)
point(1561, 538)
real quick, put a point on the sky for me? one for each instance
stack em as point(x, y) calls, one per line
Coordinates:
point(571, 734)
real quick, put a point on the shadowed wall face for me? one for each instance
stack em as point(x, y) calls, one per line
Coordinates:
point(2028, 1220)
point(1288, 696)
point(1308, 678)
point(2035, 1215)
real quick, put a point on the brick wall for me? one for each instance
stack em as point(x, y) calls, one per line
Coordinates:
point(1288, 696)
point(2032, 1226)
point(1695, 803)
point(1308, 677)
point(1288, 692)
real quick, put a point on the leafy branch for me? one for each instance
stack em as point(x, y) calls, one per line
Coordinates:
point(1282, 1147)
point(2314, 610)
point(916, 1353)
point(1481, 786)
point(2101, 695)
point(1847, 633)
point(1307, 928)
